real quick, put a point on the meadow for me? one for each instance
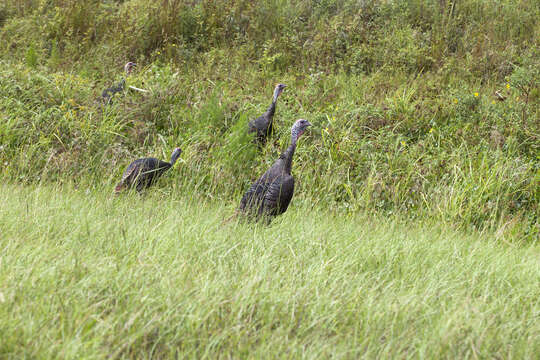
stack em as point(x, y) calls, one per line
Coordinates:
point(414, 230)
point(90, 275)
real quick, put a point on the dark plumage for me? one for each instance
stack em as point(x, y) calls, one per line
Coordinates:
point(108, 93)
point(142, 173)
point(271, 194)
point(263, 125)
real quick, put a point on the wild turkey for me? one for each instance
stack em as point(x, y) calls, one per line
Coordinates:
point(263, 125)
point(142, 173)
point(272, 193)
point(108, 93)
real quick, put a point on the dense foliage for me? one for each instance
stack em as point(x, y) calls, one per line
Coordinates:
point(402, 95)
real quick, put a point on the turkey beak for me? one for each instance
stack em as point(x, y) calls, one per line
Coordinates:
point(309, 124)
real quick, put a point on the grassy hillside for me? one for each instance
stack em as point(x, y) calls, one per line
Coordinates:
point(402, 96)
point(84, 274)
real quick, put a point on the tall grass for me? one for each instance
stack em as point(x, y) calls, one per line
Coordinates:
point(464, 163)
point(85, 274)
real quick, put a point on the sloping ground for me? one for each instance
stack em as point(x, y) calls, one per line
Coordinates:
point(402, 95)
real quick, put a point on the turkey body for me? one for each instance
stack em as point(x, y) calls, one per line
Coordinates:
point(271, 194)
point(262, 126)
point(142, 173)
point(108, 93)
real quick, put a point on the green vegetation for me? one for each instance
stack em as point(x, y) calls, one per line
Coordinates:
point(402, 96)
point(85, 274)
point(414, 229)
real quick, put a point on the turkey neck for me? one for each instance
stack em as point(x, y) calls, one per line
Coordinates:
point(174, 157)
point(272, 108)
point(288, 155)
point(120, 86)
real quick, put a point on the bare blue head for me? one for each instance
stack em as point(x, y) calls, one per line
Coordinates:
point(278, 90)
point(128, 68)
point(175, 155)
point(298, 129)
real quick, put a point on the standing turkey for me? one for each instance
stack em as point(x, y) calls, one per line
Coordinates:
point(142, 173)
point(271, 194)
point(263, 125)
point(108, 93)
